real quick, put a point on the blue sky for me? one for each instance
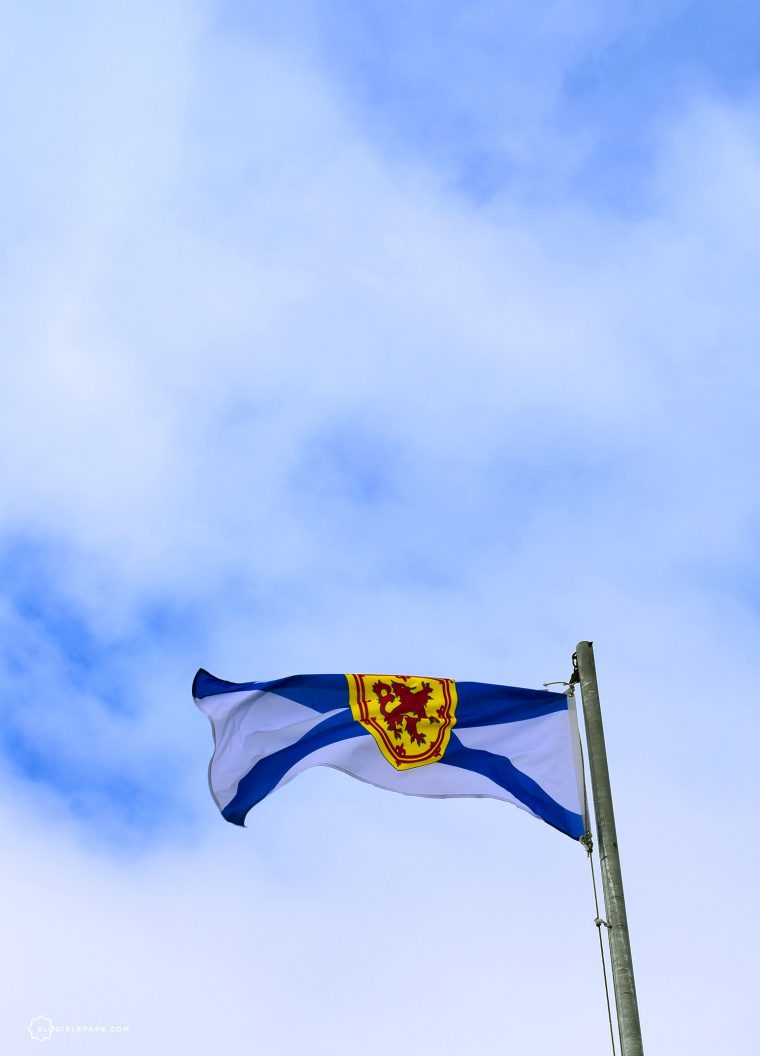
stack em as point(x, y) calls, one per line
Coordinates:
point(374, 337)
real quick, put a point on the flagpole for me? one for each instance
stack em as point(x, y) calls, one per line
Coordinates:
point(612, 879)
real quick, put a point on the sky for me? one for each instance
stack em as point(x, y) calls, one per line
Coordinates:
point(374, 336)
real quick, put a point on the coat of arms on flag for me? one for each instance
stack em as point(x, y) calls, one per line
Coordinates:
point(409, 717)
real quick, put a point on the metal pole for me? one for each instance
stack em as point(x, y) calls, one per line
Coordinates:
point(612, 879)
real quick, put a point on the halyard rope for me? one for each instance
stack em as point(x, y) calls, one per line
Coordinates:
point(588, 843)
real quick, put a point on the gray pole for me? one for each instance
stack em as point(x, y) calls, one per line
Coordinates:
point(612, 879)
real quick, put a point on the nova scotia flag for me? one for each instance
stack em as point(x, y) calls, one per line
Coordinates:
point(420, 736)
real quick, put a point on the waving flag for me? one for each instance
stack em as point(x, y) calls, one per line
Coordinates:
point(421, 736)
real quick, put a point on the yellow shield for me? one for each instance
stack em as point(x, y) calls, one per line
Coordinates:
point(410, 717)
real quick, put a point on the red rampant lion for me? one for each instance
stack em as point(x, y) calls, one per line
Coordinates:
point(408, 712)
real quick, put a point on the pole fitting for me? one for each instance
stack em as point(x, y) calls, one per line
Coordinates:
point(575, 677)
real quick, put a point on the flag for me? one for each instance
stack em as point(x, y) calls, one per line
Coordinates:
point(420, 736)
